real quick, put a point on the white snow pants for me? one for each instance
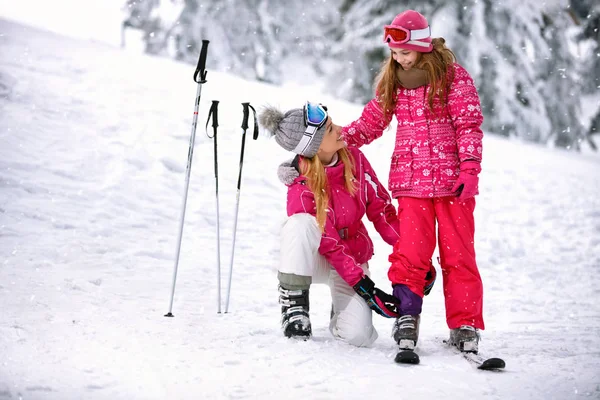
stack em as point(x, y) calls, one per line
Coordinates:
point(352, 319)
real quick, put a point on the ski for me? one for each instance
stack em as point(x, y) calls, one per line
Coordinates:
point(407, 357)
point(486, 364)
point(479, 361)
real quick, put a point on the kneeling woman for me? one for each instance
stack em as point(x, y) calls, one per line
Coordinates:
point(330, 189)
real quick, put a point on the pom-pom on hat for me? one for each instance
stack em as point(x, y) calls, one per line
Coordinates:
point(289, 129)
point(409, 30)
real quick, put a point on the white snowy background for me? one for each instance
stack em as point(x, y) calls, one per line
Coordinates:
point(93, 148)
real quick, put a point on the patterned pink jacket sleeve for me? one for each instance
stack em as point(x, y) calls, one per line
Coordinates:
point(465, 111)
point(380, 209)
point(368, 127)
point(301, 200)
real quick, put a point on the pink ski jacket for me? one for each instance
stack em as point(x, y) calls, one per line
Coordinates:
point(429, 148)
point(345, 242)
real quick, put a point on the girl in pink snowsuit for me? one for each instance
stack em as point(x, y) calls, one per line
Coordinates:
point(433, 174)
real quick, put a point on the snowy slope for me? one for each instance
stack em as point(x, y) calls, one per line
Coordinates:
point(93, 144)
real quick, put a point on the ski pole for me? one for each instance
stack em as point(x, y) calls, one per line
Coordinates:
point(200, 80)
point(214, 112)
point(246, 109)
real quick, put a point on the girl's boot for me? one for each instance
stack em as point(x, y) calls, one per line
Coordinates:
point(406, 331)
point(466, 338)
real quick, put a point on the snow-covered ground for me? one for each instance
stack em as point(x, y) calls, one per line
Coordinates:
point(93, 147)
point(94, 20)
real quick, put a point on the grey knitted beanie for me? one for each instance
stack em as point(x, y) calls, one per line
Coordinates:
point(289, 128)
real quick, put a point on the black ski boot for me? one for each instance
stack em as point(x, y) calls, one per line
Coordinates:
point(465, 338)
point(295, 320)
point(406, 331)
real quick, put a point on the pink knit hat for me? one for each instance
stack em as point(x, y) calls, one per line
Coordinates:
point(410, 31)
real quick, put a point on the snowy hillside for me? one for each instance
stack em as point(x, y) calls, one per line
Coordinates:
point(93, 146)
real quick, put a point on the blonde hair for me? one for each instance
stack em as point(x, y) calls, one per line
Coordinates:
point(435, 64)
point(314, 171)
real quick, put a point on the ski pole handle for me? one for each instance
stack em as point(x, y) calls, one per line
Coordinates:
point(246, 107)
point(201, 64)
point(214, 109)
point(214, 112)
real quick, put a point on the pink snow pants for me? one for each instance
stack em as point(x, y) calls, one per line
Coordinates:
point(411, 257)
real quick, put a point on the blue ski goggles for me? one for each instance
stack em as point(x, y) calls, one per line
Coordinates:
point(315, 116)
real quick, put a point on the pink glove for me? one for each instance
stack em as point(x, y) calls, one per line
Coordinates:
point(467, 183)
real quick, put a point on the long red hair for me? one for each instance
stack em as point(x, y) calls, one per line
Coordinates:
point(314, 171)
point(436, 65)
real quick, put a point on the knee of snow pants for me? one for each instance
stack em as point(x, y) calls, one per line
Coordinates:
point(299, 257)
point(352, 320)
point(411, 257)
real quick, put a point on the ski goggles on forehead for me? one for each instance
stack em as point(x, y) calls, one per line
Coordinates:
point(397, 35)
point(315, 116)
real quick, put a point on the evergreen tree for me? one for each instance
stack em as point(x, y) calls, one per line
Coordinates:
point(587, 14)
point(559, 82)
point(356, 50)
point(526, 77)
